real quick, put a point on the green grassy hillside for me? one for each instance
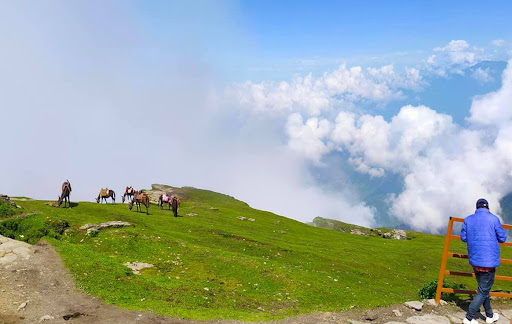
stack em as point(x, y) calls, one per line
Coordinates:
point(213, 265)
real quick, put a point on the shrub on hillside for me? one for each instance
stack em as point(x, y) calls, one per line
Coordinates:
point(31, 231)
point(428, 290)
point(6, 209)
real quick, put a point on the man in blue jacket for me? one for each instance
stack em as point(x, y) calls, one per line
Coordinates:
point(483, 231)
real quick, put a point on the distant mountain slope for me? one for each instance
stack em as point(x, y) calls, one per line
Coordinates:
point(223, 259)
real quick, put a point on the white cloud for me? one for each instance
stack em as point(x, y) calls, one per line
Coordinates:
point(454, 57)
point(498, 42)
point(446, 168)
point(458, 52)
point(491, 109)
point(307, 139)
point(314, 95)
point(376, 145)
point(482, 75)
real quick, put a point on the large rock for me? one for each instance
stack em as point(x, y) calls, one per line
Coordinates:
point(428, 319)
point(506, 312)
point(101, 226)
point(357, 232)
point(395, 235)
point(417, 305)
point(12, 250)
point(137, 266)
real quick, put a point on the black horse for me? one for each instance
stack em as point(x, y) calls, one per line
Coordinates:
point(106, 193)
point(64, 196)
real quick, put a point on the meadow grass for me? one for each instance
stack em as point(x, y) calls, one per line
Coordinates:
point(215, 266)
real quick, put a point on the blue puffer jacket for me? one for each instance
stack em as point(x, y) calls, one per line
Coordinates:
point(482, 231)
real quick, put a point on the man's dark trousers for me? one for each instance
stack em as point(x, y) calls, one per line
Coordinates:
point(485, 281)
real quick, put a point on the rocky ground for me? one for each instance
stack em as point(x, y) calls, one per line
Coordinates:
point(35, 287)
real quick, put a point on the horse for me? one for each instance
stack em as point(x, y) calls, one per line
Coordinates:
point(175, 203)
point(164, 198)
point(64, 196)
point(138, 198)
point(106, 193)
point(128, 192)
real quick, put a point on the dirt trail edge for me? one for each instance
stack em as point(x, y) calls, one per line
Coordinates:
point(35, 287)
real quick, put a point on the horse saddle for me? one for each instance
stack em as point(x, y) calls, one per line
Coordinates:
point(103, 192)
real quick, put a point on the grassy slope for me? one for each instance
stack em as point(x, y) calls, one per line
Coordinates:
point(276, 264)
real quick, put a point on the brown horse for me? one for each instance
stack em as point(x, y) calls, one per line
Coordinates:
point(128, 192)
point(64, 196)
point(175, 203)
point(106, 193)
point(164, 198)
point(138, 198)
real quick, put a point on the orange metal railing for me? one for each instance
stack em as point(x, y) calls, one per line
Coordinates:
point(446, 253)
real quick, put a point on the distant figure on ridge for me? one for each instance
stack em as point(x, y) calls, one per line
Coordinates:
point(483, 232)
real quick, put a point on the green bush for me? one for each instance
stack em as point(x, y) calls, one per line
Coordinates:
point(31, 229)
point(428, 290)
point(7, 210)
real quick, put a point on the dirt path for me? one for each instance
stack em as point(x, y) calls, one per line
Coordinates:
point(36, 276)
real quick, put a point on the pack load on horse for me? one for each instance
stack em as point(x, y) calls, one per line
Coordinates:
point(164, 198)
point(64, 196)
point(140, 198)
point(106, 193)
point(128, 192)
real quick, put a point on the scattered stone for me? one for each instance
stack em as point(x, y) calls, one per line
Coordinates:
point(430, 302)
point(443, 302)
point(70, 316)
point(371, 315)
point(251, 219)
point(394, 323)
point(457, 317)
point(114, 224)
point(428, 319)
point(357, 231)
point(507, 313)
point(46, 318)
point(51, 204)
point(395, 235)
point(261, 309)
point(213, 208)
point(22, 305)
point(355, 322)
point(397, 312)
point(137, 266)
point(416, 305)
point(242, 218)
point(191, 214)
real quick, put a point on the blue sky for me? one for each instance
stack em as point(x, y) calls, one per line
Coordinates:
point(273, 102)
point(276, 36)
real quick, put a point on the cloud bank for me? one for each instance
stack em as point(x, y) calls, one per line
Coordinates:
point(445, 166)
